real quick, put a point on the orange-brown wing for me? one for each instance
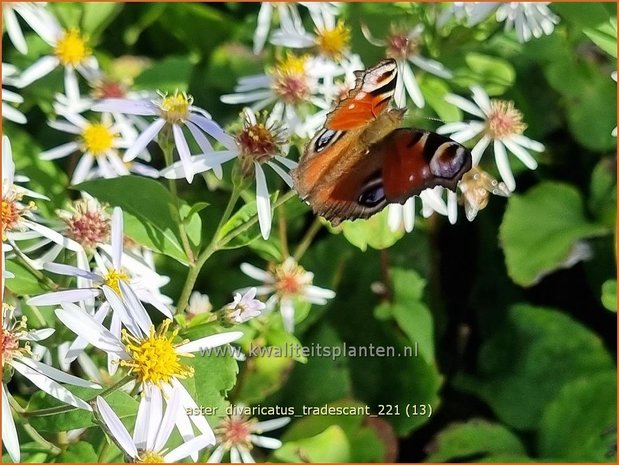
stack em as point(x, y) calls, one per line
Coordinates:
point(368, 99)
point(415, 160)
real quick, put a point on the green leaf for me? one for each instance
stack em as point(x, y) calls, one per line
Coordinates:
point(373, 232)
point(493, 73)
point(168, 75)
point(24, 282)
point(605, 36)
point(581, 14)
point(603, 192)
point(78, 452)
point(550, 214)
point(609, 295)
point(475, 440)
point(434, 91)
point(411, 314)
point(579, 425)
point(122, 404)
point(522, 367)
point(97, 16)
point(329, 446)
point(150, 203)
point(242, 216)
point(193, 223)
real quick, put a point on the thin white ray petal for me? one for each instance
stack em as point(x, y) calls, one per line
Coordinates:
point(267, 443)
point(208, 342)
point(270, 425)
point(188, 448)
point(9, 433)
point(55, 298)
point(143, 139)
point(524, 156)
point(502, 163)
point(464, 105)
point(117, 429)
point(56, 374)
point(60, 151)
point(263, 202)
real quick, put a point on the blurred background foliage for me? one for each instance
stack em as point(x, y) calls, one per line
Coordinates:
point(517, 352)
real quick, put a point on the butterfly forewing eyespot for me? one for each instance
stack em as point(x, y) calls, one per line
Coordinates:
point(327, 137)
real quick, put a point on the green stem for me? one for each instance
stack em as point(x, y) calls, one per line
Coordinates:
point(168, 148)
point(38, 273)
point(45, 412)
point(307, 239)
point(214, 246)
point(36, 437)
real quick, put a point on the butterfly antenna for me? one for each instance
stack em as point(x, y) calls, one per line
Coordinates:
point(435, 119)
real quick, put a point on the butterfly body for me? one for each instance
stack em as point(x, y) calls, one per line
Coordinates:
point(361, 160)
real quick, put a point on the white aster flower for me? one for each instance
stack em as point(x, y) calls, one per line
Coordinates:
point(244, 307)
point(152, 430)
point(291, 87)
point(8, 96)
point(71, 51)
point(501, 124)
point(262, 141)
point(151, 356)
point(403, 45)
point(458, 10)
point(18, 220)
point(237, 434)
point(529, 19)
point(288, 18)
point(286, 282)
point(174, 113)
point(111, 273)
point(16, 355)
point(97, 141)
point(36, 16)
point(331, 36)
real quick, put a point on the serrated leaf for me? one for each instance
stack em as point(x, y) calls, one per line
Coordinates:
point(551, 214)
point(474, 440)
point(579, 425)
point(522, 367)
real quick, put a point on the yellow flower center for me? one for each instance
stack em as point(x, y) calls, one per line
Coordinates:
point(155, 359)
point(504, 120)
point(333, 43)
point(175, 108)
point(290, 80)
point(72, 48)
point(97, 138)
point(149, 457)
point(13, 211)
point(113, 279)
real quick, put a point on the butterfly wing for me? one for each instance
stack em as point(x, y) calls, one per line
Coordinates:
point(401, 165)
point(370, 97)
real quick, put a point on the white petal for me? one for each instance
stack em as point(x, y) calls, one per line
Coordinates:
point(247, 97)
point(142, 420)
point(452, 127)
point(14, 31)
point(235, 457)
point(188, 448)
point(78, 346)
point(431, 66)
point(473, 130)
point(37, 70)
point(169, 419)
point(408, 212)
point(502, 163)
point(56, 374)
point(267, 443)
point(208, 342)
point(12, 114)
point(270, 425)
point(217, 455)
point(134, 307)
point(142, 141)
point(262, 27)
point(116, 427)
point(71, 87)
point(188, 403)
point(121, 105)
point(83, 169)
point(411, 85)
point(69, 270)
point(479, 149)
point(524, 156)
point(256, 273)
point(282, 174)
point(263, 202)
point(287, 311)
point(125, 315)
point(60, 151)
point(214, 130)
point(38, 334)
point(82, 324)
point(452, 207)
point(464, 105)
point(528, 143)
point(245, 455)
point(183, 152)
point(51, 387)
point(72, 295)
point(434, 200)
point(481, 99)
point(9, 434)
